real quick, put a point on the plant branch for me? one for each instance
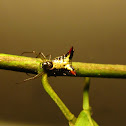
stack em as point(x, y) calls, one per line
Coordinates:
point(86, 105)
point(100, 70)
point(69, 116)
point(19, 63)
point(32, 65)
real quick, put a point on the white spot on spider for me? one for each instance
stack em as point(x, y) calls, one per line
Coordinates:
point(64, 74)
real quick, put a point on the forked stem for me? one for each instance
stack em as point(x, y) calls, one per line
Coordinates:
point(69, 116)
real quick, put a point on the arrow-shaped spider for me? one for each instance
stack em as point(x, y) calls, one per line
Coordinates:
point(60, 65)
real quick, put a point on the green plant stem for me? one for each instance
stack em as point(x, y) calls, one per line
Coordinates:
point(84, 118)
point(19, 63)
point(32, 65)
point(69, 116)
point(100, 70)
point(86, 105)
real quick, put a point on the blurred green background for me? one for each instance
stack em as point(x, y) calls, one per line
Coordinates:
point(96, 29)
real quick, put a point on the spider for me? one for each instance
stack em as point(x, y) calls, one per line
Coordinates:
point(60, 65)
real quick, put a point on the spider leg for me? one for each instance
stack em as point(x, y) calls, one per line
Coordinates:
point(29, 74)
point(41, 55)
point(31, 78)
point(49, 55)
point(34, 52)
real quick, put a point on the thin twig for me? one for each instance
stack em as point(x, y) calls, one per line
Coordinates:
point(33, 65)
point(69, 116)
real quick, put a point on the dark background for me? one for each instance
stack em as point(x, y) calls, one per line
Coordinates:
point(96, 29)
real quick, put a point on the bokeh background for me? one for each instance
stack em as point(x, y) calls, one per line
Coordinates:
point(96, 29)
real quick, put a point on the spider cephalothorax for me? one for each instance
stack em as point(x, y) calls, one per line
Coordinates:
point(47, 65)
